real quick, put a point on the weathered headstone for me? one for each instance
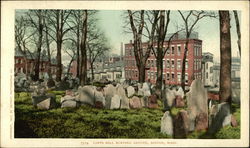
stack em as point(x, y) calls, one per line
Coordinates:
point(115, 102)
point(233, 121)
point(196, 101)
point(168, 99)
point(130, 91)
point(69, 103)
point(180, 92)
point(179, 102)
point(201, 122)
point(44, 102)
point(181, 124)
point(167, 124)
point(146, 89)
point(99, 99)
point(135, 103)
point(67, 97)
point(69, 92)
point(223, 110)
point(86, 95)
point(152, 101)
point(227, 120)
point(109, 92)
point(120, 91)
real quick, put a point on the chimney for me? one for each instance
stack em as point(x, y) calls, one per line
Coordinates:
point(121, 50)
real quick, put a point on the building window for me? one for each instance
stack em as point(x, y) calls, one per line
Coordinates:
point(186, 78)
point(179, 77)
point(19, 61)
point(172, 63)
point(172, 49)
point(168, 76)
point(163, 63)
point(206, 75)
point(168, 51)
point(155, 75)
point(168, 64)
point(179, 50)
point(148, 74)
point(186, 64)
point(172, 76)
point(206, 65)
point(179, 64)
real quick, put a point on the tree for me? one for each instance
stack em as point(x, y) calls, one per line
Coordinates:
point(58, 20)
point(36, 20)
point(23, 37)
point(137, 24)
point(190, 20)
point(83, 67)
point(238, 29)
point(225, 57)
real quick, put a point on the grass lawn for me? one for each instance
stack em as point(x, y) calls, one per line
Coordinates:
point(88, 122)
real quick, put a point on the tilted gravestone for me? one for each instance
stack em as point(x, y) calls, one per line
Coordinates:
point(120, 91)
point(222, 111)
point(167, 124)
point(196, 102)
point(130, 91)
point(181, 124)
point(109, 92)
point(135, 103)
point(168, 99)
point(99, 99)
point(115, 102)
point(44, 101)
point(146, 89)
point(86, 95)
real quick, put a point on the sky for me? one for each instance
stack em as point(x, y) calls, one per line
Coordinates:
point(112, 23)
point(208, 29)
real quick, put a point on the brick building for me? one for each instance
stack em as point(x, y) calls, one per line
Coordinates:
point(172, 62)
point(26, 64)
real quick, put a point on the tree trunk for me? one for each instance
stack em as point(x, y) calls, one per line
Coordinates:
point(184, 65)
point(39, 45)
point(92, 71)
point(70, 65)
point(238, 30)
point(225, 57)
point(83, 76)
point(48, 50)
point(141, 70)
point(59, 59)
point(159, 52)
point(78, 52)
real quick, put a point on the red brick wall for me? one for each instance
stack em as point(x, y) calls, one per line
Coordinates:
point(130, 64)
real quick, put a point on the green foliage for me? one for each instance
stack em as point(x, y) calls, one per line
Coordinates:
point(85, 121)
point(88, 122)
point(228, 132)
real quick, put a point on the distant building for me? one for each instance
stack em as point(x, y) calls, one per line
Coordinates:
point(172, 62)
point(207, 69)
point(26, 64)
point(235, 71)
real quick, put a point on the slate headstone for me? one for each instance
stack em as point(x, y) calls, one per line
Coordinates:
point(167, 124)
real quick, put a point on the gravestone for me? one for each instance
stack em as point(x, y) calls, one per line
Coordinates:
point(196, 102)
point(135, 103)
point(181, 124)
point(146, 89)
point(223, 110)
point(109, 92)
point(69, 103)
point(130, 91)
point(152, 101)
point(180, 92)
point(120, 91)
point(167, 124)
point(86, 95)
point(144, 101)
point(168, 99)
point(201, 122)
point(115, 102)
point(99, 99)
point(44, 102)
point(179, 102)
